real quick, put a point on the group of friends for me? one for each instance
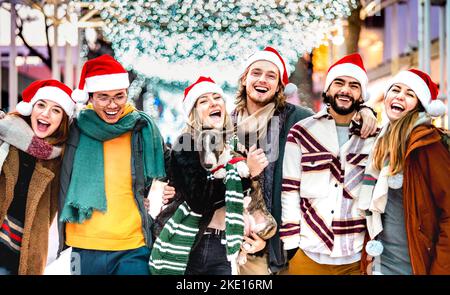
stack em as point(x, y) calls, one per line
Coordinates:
point(348, 197)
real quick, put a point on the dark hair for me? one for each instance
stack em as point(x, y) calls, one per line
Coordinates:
point(325, 98)
point(60, 135)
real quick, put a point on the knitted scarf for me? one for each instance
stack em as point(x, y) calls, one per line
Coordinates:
point(376, 183)
point(170, 253)
point(86, 191)
point(255, 123)
point(16, 132)
point(234, 214)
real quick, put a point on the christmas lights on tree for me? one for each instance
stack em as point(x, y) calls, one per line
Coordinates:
point(159, 38)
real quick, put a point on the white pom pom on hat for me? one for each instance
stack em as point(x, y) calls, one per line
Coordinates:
point(290, 89)
point(436, 108)
point(80, 96)
point(24, 108)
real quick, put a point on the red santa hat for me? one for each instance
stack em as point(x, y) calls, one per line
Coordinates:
point(102, 73)
point(49, 90)
point(426, 90)
point(201, 86)
point(270, 54)
point(351, 66)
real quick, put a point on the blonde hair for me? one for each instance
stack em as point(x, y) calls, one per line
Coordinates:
point(195, 124)
point(241, 96)
point(392, 146)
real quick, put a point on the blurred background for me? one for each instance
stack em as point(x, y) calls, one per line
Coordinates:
point(166, 45)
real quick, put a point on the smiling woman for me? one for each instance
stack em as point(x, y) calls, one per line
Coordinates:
point(206, 204)
point(46, 118)
point(30, 141)
point(406, 182)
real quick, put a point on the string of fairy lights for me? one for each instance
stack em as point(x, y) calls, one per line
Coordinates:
point(208, 33)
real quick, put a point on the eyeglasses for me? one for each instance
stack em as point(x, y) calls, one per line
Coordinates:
point(106, 100)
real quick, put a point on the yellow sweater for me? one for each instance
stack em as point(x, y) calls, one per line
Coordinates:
point(120, 227)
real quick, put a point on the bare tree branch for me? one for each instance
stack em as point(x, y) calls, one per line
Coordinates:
point(32, 50)
point(47, 33)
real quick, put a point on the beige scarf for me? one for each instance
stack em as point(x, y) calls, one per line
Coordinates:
point(256, 122)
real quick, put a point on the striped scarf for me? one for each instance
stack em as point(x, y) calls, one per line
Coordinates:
point(171, 250)
point(234, 217)
point(170, 253)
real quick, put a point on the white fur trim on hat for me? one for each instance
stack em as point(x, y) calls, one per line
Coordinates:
point(106, 82)
point(350, 70)
point(197, 91)
point(265, 55)
point(51, 93)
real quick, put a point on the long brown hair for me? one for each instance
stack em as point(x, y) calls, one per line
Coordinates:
point(60, 135)
point(392, 146)
point(241, 96)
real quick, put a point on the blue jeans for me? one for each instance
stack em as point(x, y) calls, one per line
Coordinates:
point(209, 257)
point(96, 262)
point(4, 271)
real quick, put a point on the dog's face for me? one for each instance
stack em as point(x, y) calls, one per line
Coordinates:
point(210, 144)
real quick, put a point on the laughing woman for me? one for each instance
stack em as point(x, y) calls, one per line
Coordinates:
point(31, 142)
point(205, 253)
point(408, 181)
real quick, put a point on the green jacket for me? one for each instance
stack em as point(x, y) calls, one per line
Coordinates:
point(293, 114)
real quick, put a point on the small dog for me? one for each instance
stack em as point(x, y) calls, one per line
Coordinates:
point(214, 155)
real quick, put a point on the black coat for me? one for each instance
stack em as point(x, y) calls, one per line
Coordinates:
point(192, 184)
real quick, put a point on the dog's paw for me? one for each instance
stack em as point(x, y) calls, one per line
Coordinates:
point(221, 173)
point(242, 169)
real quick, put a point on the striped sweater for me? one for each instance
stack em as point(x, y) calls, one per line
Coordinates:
point(321, 183)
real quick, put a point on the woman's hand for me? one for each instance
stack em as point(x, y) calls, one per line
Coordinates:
point(369, 122)
point(2, 114)
point(254, 244)
point(168, 193)
point(146, 204)
point(369, 264)
point(256, 161)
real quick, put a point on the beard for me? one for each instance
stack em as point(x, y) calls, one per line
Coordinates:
point(342, 110)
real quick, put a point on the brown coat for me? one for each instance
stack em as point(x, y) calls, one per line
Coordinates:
point(426, 201)
point(40, 209)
